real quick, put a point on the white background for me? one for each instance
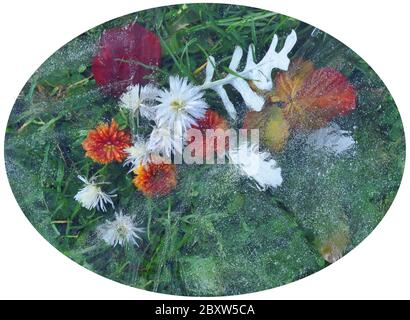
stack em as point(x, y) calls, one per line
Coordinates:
point(32, 30)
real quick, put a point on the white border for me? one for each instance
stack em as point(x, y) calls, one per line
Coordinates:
point(32, 30)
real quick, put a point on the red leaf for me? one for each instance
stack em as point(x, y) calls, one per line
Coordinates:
point(328, 90)
point(122, 54)
point(312, 97)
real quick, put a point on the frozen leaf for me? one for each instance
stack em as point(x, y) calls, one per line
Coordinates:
point(126, 56)
point(334, 247)
point(273, 127)
point(312, 97)
point(333, 243)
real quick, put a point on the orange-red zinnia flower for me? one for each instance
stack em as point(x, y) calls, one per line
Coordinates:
point(155, 179)
point(106, 143)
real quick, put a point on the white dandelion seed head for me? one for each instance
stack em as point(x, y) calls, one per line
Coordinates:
point(92, 196)
point(256, 165)
point(122, 230)
point(180, 106)
point(140, 100)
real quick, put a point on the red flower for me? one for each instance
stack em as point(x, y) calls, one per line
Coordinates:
point(211, 120)
point(106, 143)
point(123, 56)
point(312, 97)
point(155, 179)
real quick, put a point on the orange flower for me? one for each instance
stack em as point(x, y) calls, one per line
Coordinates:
point(106, 143)
point(211, 120)
point(312, 97)
point(155, 179)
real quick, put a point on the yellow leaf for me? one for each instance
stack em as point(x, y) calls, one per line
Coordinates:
point(274, 129)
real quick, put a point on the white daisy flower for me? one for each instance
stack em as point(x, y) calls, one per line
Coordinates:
point(164, 141)
point(256, 165)
point(137, 154)
point(140, 100)
point(91, 195)
point(124, 229)
point(331, 139)
point(180, 106)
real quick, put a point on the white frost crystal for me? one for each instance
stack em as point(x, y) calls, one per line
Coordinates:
point(260, 73)
point(256, 165)
point(331, 139)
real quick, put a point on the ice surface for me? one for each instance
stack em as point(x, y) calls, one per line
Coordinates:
point(216, 233)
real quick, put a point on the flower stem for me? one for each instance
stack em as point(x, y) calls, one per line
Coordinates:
point(149, 218)
point(134, 121)
point(169, 210)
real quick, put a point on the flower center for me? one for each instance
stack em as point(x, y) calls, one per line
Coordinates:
point(93, 190)
point(109, 147)
point(122, 230)
point(177, 104)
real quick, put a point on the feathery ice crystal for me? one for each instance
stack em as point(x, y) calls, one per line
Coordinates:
point(91, 195)
point(140, 100)
point(136, 154)
point(122, 230)
point(256, 165)
point(180, 106)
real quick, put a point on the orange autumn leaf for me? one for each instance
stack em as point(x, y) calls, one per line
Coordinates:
point(312, 97)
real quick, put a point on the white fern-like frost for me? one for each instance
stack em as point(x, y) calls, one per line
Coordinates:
point(260, 73)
